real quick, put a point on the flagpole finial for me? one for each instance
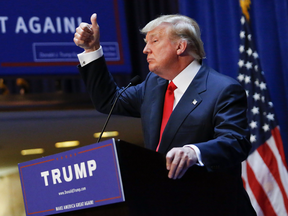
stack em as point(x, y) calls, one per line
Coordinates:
point(245, 5)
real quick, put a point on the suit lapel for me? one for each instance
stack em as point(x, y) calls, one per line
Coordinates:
point(189, 101)
point(157, 100)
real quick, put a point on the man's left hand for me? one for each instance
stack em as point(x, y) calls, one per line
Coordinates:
point(178, 160)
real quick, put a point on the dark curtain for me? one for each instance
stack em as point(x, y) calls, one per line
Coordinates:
point(138, 14)
point(220, 25)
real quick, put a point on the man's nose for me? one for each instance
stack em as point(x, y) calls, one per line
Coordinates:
point(146, 49)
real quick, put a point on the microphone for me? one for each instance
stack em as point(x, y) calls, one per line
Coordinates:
point(135, 80)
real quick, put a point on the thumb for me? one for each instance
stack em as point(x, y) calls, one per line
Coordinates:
point(94, 20)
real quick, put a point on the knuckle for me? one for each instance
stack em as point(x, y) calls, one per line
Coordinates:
point(169, 154)
point(83, 24)
point(181, 152)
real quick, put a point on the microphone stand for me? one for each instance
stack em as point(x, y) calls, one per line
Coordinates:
point(133, 81)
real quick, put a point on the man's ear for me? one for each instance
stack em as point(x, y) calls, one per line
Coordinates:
point(182, 45)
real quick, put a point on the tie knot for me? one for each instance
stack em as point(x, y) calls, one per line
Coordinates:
point(172, 86)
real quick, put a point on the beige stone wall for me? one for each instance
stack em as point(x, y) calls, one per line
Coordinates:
point(11, 199)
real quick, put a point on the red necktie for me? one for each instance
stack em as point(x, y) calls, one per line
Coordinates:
point(168, 108)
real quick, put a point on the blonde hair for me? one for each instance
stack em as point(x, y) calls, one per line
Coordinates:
point(182, 27)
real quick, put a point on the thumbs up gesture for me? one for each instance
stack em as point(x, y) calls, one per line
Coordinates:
point(87, 35)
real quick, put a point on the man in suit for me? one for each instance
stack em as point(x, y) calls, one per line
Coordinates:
point(208, 125)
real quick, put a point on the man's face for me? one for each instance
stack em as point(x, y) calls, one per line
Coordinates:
point(161, 52)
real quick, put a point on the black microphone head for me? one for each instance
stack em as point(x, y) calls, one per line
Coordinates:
point(135, 80)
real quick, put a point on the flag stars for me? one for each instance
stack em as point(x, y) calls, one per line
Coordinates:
point(270, 104)
point(270, 117)
point(256, 96)
point(253, 124)
point(266, 127)
point(247, 79)
point(241, 77)
point(255, 55)
point(241, 49)
point(252, 138)
point(248, 65)
point(256, 67)
point(242, 34)
point(249, 51)
point(256, 82)
point(255, 110)
point(242, 20)
point(249, 37)
point(240, 63)
point(263, 99)
point(262, 85)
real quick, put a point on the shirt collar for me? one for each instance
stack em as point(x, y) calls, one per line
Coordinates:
point(185, 77)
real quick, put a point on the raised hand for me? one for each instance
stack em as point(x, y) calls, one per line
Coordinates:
point(87, 36)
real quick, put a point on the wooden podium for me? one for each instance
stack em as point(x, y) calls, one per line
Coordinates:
point(149, 192)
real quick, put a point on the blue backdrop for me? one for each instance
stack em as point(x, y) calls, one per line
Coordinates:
point(37, 36)
point(220, 26)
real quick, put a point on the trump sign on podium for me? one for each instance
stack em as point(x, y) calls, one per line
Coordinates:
point(81, 178)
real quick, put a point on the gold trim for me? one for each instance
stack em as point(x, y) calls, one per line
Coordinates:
point(245, 5)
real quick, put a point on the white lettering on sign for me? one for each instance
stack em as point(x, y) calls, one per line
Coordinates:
point(91, 166)
point(48, 26)
point(21, 25)
point(79, 172)
point(67, 179)
point(2, 24)
point(45, 174)
point(36, 26)
point(56, 176)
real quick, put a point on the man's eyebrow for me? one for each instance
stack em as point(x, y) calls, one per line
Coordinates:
point(153, 35)
point(150, 36)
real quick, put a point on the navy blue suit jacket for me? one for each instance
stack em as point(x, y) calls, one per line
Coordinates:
point(211, 115)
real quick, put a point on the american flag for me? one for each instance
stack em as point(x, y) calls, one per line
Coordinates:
point(264, 173)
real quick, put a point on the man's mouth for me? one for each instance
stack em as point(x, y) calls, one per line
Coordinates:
point(149, 60)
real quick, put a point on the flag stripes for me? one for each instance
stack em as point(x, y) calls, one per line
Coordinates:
point(259, 193)
point(264, 173)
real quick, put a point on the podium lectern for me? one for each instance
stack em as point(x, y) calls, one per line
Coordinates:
point(149, 192)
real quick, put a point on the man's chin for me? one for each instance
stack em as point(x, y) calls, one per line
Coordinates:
point(151, 68)
point(156, 71)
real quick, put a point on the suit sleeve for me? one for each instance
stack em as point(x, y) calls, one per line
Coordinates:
point(230, 143)
point(103, 90)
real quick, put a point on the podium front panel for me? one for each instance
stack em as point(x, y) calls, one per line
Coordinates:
point(81, 178)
